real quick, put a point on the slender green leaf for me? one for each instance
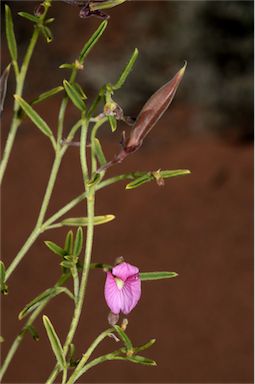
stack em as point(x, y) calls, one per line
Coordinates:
point(66, 66)
point(50, 20)
point(78, 243)
point(67, 264)
point(80, 91)
point(46, 33)
point(55, 342)
point(127, 342)
point(178, 172)
point(29, 16)
point(157, 275)
point(139, 181)
point(47, 94)
point(105, 4)
point(141, 360)
point(92, 41)
point(151, 176)
point(99, 152)
point(55, 248)
point(3, 86)
point(83, 221)
point(113, 123)
point(33, 332)
point(11, 40)
point(2, 273)
point(74, 95)
point(126, 71)
point(105, 267)
point(33, 115)
point(38, 300)
point(3, 285)
point(69, 243)
point(144, 346)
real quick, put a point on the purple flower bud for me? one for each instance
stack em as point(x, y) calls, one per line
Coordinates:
point(85, 11)
point(122, 288)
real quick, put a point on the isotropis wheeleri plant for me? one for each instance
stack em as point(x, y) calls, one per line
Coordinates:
point(122, 280)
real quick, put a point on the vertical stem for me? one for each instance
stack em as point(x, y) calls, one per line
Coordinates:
point(90, 190)
point(20, 79)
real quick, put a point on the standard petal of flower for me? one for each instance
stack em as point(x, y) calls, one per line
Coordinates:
point(124, 270)
point(112, 294)
point(131, 294)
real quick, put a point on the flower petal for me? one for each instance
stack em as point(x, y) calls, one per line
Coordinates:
point(131, 294)
point(112, 294)
point(124, 271)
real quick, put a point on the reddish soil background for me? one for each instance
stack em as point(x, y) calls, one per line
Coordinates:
point(200, 226)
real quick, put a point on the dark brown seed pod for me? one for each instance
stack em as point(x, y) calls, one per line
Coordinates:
point(148, 117)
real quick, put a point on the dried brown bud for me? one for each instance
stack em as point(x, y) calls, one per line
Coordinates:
point(113, 318)
point(148, 117)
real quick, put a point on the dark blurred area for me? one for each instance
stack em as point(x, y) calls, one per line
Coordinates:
point(200, 225)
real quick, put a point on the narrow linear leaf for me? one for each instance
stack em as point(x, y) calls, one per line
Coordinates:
point(3, 86)
point(145, 346)
point(55, 248)
point(74, 96)
point(80, 91)
point(50, 20)
point(47, 94)
point(3, 285)
point(105, 5)
point(127, 342)
point(78, 243)
point(46, 33)
point(10, 35)
point(141, 360)
point(157, 275)
point(69, 243)
point(139, 181)
point(178, 172)
point(105, 267)
point(151, 176)
point(83, 221)
point(55, 342)
point(113, 123)
point(38, 300)
point(99, 152)
point(33, 115)
point(66, 66)
point(2, 273)
point(92, 41)
point(67, 264)
point(126, 71)
point(33, 332)
point(29, 16)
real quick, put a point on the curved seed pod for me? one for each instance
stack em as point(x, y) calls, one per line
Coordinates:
point(148, 117)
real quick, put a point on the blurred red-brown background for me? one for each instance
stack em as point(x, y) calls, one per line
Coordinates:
point(200, 226)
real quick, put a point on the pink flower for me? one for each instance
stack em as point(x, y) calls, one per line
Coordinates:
point(122, 288)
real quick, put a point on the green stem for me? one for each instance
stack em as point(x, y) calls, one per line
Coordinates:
point(88, 353)
point(88, 249)
point(16, 343)
point(98, 360)
point(59, 153)
point(20, 80)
